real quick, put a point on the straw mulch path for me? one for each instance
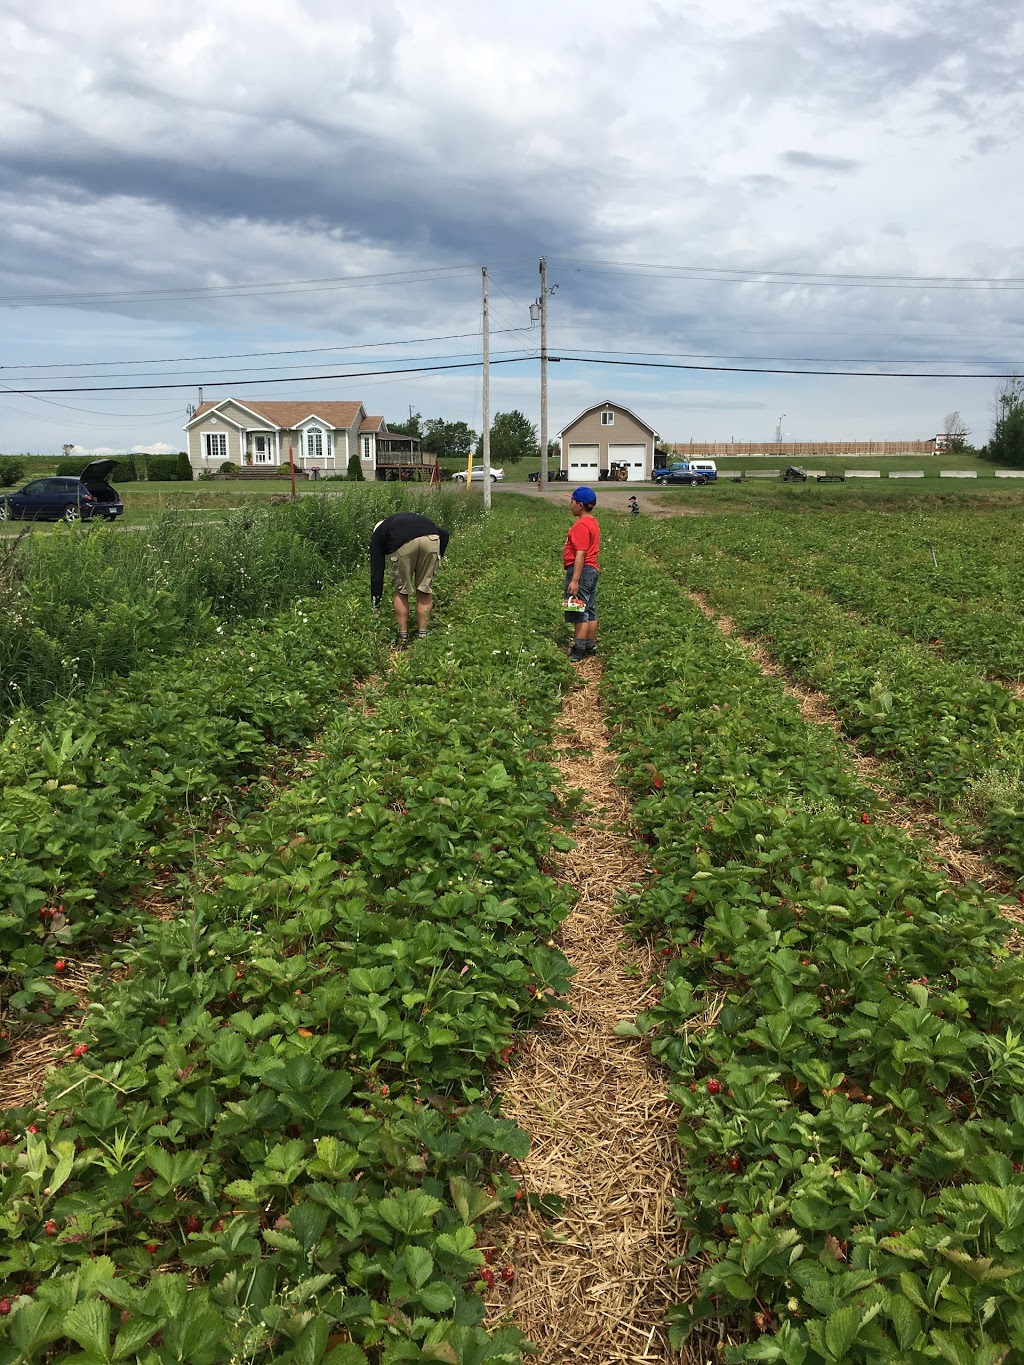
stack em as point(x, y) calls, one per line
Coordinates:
point(592, 1286)
point(945, 849)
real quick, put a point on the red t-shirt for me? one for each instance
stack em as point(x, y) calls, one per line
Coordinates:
point(584, 534)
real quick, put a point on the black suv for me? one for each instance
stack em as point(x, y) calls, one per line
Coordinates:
point(66, 498)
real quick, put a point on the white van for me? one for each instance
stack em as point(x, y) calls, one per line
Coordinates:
point(706, 467)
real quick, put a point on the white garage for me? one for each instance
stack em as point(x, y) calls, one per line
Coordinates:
point(605, 435)
point(632, 457)
point(584, 464)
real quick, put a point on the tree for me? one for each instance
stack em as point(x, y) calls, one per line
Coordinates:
point(412, 427)
point(184, 466)
point(513, 437)
point(355, 469)
point(1006, 444)
point(956, 433)
point(448, 440)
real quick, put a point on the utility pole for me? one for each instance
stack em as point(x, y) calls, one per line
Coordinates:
point(542, 482)
point(486, 398)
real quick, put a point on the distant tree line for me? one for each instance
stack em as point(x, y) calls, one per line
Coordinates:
point(513, 438)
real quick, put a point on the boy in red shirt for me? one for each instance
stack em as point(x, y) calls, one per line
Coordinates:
point(580, 560)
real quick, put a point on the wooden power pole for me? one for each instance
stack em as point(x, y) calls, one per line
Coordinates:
point(486, 397)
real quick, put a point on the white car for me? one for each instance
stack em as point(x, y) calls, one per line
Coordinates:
point(478, 473)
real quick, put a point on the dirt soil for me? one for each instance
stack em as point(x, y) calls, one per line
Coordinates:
point(614, 498)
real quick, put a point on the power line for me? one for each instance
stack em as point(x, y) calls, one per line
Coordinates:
point(294, 379)
point(749, 369)
point(206, 375)
point(423, 275)
point(252, 355)
point(788, 278)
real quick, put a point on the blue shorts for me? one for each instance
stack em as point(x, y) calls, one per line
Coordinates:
point(587, 593)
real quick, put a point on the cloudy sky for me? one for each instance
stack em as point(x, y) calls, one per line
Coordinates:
point(240, 196)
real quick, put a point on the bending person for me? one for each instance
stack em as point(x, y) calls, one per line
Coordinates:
point(414, 546)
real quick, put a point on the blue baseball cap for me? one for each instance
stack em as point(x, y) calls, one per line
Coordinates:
point(586, 497)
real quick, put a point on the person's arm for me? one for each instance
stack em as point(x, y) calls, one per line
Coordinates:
point(376, 567)
point(577, 569)
point(444, 538)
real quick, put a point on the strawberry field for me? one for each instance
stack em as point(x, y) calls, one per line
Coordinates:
point(284, 910)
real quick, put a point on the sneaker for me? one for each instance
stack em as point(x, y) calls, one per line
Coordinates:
point(577, 654)
point(402, 642)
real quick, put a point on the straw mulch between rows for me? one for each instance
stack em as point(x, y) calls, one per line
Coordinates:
point(593, 1284)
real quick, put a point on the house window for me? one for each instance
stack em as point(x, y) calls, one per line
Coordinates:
point(366, 447)
point(607, 418)
point(216, 443)
point(315, 444)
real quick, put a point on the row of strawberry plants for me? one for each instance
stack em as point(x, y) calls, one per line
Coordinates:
point(841, 1020)
point(104, 793)
point(895, 586)
point(978, 554)
point(278, 1130)
point(89, 602)
point(957, 737)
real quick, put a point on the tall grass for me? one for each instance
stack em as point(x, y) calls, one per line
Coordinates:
point(89, 601)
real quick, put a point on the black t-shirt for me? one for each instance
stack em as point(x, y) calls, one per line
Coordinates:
point(391, 535)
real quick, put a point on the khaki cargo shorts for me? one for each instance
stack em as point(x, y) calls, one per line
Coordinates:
point(414, 564)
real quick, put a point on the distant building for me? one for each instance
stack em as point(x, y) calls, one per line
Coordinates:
point(316, 434)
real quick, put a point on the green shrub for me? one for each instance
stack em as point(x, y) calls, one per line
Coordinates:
point(184, 467)
point(11, 471)
point(163, 468)
point(355, 469)
point(228, 467)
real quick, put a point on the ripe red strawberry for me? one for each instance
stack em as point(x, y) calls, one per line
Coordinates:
point(33, 1128)
point(192, 1224)
point(666, 952)
point(735, 1164)
point(51, 1228)
point(865, 818)
point(385, 1091)
point(81, 1049)
point(152, 1247)
point(657, 782)
point(714, 1087)
point(508, 1273)
point(60, 965)
point(5, 1307)
point(488, 1277)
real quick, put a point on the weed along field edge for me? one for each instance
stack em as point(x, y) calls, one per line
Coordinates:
point(324, 965)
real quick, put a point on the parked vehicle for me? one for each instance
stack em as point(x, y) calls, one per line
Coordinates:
point(691, 472)
point(478, 473)
point(66, 498)
point(794, 473)
point(555, 476)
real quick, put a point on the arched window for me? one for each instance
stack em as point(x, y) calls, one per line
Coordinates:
point(314, 444)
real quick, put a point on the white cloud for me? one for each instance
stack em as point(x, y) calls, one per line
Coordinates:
point(309, 141)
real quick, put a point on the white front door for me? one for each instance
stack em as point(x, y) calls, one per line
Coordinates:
point(262, 452)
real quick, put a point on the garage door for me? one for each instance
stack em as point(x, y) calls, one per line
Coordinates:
point(632, 457)
point(583, 464)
